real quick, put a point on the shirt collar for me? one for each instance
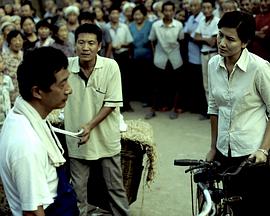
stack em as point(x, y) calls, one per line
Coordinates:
point(198, 17)
point(75, 67)
point(172, 24)
point(241, 63)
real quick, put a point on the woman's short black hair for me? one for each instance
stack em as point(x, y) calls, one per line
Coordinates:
point(38, 68)
point(89, 28)
point(244, 24)
point(141, 8)
point(12, 34)
point(25, 18)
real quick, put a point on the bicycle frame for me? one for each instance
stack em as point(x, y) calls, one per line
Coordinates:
point(215, 198)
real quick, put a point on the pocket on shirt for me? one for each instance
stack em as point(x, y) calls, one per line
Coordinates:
point(99, 95)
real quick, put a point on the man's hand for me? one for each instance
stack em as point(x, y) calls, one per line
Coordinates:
point(38, 212)
point(84, 137)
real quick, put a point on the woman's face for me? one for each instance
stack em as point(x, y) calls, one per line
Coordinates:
point(28, 26)
point(229, 43)
point(17, 24)
point(72, 18)
point(8, 29)
point(138, 17)
point(63, 33)
point(16, 43)
point(99, 13)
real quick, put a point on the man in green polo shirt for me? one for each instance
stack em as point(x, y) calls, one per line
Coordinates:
point(94, 106)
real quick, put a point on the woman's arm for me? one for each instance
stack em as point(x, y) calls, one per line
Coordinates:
point(214, 133)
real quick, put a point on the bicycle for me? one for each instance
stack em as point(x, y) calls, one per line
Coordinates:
point(212, 197)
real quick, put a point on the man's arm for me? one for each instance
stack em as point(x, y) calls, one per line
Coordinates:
point(208, 41)
point(102, 114)
point(38, 212)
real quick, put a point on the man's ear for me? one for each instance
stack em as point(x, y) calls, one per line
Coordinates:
point(99, 46)
point(36, 92)
point(244, 45)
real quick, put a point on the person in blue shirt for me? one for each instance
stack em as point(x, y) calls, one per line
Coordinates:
point(142, 55)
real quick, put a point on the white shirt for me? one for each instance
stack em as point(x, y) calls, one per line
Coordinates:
point(120, 35)
point(240, 102)
point(29, 179)
point(208, 30)
point(194, 55)
point(167, 47)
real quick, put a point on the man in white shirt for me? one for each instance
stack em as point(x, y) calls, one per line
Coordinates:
point(30, 153)
point(239, 102)
point(206, 33)
point(165, 36)
point(196, 94)
point(121, 42)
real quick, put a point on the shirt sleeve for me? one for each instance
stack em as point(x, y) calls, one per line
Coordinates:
point(181, 33)
point(10, 85)
point(262, 84)
point(212, 106)
point(129, 38)
point(30, 179)
point(152, 35)
point(113, 97)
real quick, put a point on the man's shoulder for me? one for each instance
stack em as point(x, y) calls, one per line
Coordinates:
point(105, 62)
point(73, 64)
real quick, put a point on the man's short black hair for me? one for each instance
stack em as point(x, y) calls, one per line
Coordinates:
point(212, 2)
point(43, 23)
point(244, 24)
point(38, 68)
point(12, 34)
point(167, 3)
point(89, 28)
point(86, 15)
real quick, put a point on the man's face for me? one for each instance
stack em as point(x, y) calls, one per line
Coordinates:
point(229, 43)
point(57, 96)
point(16, 43)
point(207, 9)
point(107, 3)
point(195, 7)
point(265, 6)
point(114, 16)
point(168, 12)
point(44, 32)
point(87, 47)
point(26, 11)
point(246, 5)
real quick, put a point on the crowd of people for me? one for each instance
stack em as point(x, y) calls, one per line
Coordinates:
point(164, 68)
point(161, 53)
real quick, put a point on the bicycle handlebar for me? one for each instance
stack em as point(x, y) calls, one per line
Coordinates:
point(188, 162)
point(247, 162)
